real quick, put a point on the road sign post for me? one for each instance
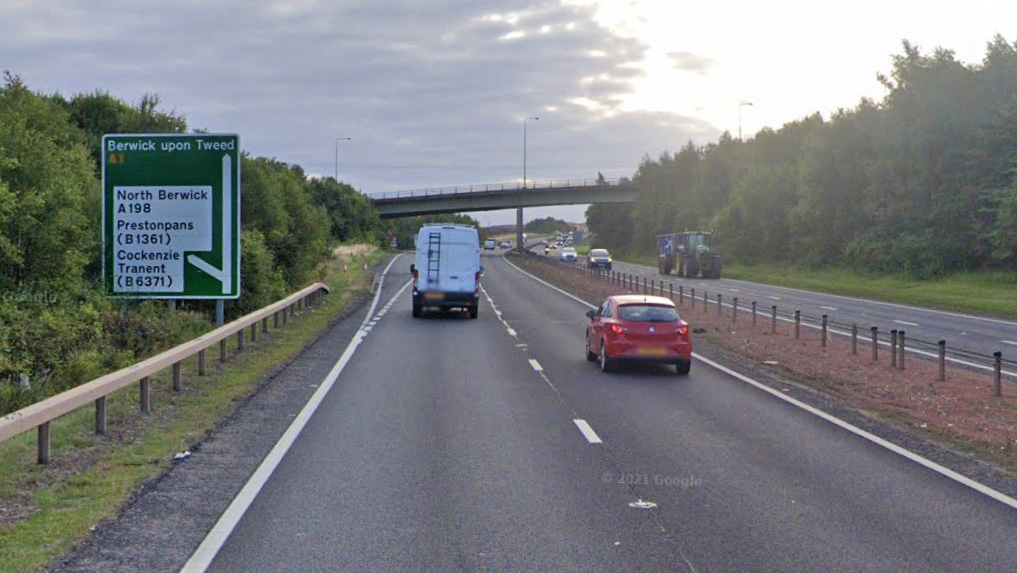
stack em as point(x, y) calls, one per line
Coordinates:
point(171, 216)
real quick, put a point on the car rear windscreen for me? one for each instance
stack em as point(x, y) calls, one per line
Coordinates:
point(647, 313)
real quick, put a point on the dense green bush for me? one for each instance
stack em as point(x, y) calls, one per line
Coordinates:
point(57, 329)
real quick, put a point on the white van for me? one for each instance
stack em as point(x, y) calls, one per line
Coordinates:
point(446, 272)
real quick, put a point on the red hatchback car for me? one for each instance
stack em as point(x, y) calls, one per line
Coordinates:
point(638, 328)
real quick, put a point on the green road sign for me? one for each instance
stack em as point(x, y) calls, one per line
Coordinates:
point(171, 215)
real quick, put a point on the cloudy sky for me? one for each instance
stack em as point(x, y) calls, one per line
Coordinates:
point(434, 92)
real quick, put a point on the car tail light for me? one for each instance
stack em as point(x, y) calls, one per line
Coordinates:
point(616, 329)
point(683, 330)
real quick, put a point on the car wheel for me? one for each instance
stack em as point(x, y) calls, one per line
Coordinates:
point(589, 353)
point(682, 367)
point(606, 364)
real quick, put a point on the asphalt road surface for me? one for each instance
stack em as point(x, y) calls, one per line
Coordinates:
point(450, 444)
point(983, 335)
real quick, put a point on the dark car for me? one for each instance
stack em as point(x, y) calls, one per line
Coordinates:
point(638, 328)
point(599, 258)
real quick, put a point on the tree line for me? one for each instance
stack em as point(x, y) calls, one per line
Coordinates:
point(57, 329)
point(921, 183)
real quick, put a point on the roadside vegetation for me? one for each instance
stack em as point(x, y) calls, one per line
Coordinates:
point(918, 185)
point(59, 329)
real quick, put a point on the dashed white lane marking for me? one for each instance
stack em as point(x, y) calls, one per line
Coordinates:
point(1010, 342)
point(512, 332)
point(774, 297)
point(906, 323)
point(833, 308)
point(536, 365)
point(733, 290)
point(588, 432)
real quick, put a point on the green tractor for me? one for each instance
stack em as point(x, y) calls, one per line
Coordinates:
point(690, 254)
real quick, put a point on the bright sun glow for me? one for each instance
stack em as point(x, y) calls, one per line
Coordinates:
point(788, 57)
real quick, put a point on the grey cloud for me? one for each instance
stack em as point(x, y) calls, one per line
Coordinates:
point(689, 62)
point(431, 90)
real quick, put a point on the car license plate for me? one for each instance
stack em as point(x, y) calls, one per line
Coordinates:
point(651, 351)
point(434, 296)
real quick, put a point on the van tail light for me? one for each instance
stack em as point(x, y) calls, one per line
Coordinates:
point(416, 275)
point(476, 281)
point(616, 329)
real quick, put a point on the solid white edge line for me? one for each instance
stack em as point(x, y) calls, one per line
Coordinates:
point(587, 431)
point(998, 496)
point(220, 532)
point(536, 365)
point(944, 471)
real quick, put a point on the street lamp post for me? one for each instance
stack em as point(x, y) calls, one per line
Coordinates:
point(337, 140)
point(519, 210)
point(740, 106)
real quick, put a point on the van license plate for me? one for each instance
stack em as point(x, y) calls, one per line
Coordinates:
point(434, 296)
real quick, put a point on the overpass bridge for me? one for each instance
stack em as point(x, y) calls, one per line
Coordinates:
point(489, 197)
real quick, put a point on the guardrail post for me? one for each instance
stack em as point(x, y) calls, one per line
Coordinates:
point(681, 295)
point(146, 396)
point(176, 376)
point(893, 348)
point(285, 311)
point(100, 415)
point(44, 442)
point(824, 331)
point(773, 320)
point(875, 343)
point(692, 297)
point(222, 350)
point(900, 355)
point(264, 324)
point(942, 360)
point(201, 362)
point(275, 319)
point(653, 285)
point(798, 324)
point(997, 373)
point(854, 339)
point(753, 313)
point(670, 291)
point(240, 340)
point(254, 332)
point(706, 302)
point(644, 285)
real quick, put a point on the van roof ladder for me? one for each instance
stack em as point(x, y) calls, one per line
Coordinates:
point(433, 256)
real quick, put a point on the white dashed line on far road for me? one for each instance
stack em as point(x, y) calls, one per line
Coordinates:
point(587, 431)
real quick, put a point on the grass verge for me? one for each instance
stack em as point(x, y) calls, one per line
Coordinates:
point(985, 293)
point(45, 510)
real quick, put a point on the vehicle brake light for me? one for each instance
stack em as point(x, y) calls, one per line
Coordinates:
point(683, 330)
point(616, 329)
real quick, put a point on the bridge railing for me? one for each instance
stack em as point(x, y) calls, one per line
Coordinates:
point(495, 187)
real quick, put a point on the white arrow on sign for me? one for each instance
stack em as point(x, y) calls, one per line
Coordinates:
point(225, 274)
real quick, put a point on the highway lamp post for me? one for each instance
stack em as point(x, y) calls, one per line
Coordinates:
point(740, 106)
point(519, 209)
point(337, 140)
